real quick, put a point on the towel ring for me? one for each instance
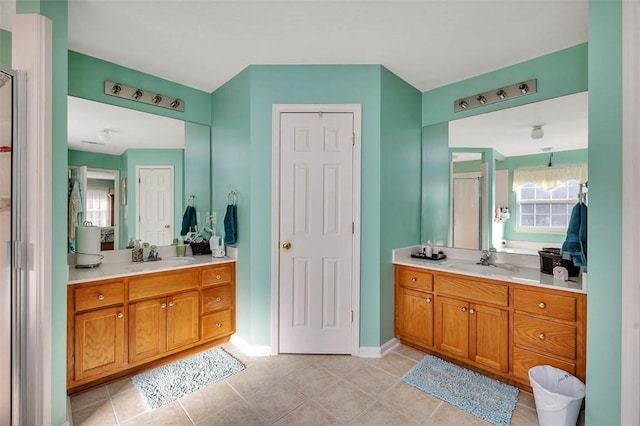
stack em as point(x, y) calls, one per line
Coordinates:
point(232, 197)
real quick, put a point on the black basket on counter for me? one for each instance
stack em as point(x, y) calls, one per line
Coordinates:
point(551, 257)
point(200, 248)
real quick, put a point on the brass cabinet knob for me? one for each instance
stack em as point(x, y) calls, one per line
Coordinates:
point(541, 336)
point(218, 325)
point(428, 300)
point(218, 299)
point(286, 245)
point(542, 305)
point(120, 315)
point(172, 303)
point(414, 279)
point(164, 305)
point(472, 311)
point(463, 309)
point(101, 297)
point(218, 276)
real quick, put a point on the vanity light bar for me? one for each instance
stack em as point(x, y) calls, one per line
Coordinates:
point(498, 95)
point(119, 90)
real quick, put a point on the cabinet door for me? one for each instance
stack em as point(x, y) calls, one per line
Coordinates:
point(452, 326)
point(182, 319)
point(147, 329)
point(489, 336)
point(415, 316)
point(99, 342)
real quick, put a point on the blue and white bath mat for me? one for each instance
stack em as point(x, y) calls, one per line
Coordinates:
point(476, 394)
point(172, 381)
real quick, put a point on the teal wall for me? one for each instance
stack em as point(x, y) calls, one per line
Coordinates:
point(579, 156)
point(435, 183)
point(57, 12)
point(230, 162)
point(604, 304)
point(251, 95)
point(86, 80)
point(559, 73)
point(197, 171)
point(94, 160)
point(400, 165)
point(152, 157)
point(5, 48)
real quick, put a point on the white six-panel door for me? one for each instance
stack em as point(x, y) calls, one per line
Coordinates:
point(316, 232)
point(155, 205)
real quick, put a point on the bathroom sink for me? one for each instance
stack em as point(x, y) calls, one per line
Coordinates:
point(167, 262)
point(473, 268)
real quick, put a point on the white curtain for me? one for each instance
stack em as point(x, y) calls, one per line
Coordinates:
point(98, 209)
point(550, 177)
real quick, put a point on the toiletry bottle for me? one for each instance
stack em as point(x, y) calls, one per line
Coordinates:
point(428, 251)
point(136, 252)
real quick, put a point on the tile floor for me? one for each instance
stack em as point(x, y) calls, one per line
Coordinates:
point(292, 390)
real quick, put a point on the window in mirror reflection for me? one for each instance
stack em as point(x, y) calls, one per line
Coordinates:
point(541, 210)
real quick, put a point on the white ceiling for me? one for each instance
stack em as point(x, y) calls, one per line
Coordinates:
point(428, 43)
point(564, 121)
point(128, 128)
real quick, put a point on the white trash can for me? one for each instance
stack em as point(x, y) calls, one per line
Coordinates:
point(558, 395)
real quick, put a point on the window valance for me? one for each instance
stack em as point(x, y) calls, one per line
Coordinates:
point(550, 177)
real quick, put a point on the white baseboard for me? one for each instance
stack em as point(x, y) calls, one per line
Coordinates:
point(379, 351)
point(248, 349)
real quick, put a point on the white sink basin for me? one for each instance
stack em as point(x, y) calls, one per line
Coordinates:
point(168, 262)
point(499, 270)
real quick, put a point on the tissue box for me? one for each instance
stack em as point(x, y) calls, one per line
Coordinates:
point(550, 258)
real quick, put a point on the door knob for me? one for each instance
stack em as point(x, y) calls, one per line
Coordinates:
point(286, 245)
point(167, 226)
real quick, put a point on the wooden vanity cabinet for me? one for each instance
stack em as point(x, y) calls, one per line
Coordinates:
point(499, 327)
point(414, 306)
point(117, 327)
point(98, 337)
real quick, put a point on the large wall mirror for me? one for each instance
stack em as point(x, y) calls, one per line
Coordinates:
point(132, 173)
point(514, 176)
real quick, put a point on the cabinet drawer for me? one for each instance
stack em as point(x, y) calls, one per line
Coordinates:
point(551, 305)
point(523, 360)
point(216, 324)
point(547, 336)
point(216, 298)
point(154, 285)
point(217, 275)
point(479, 291)
point(97, 296)
point(414, 278)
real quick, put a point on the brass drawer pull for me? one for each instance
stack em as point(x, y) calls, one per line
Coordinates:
point(172, 303)
point(414, 279)
point(218, 299)
point(542, 305)
point(218, 276)
point(428, 300)
point(541, 336)
point(218, 324)
point(164, 305)
point(120, 315)
point(101, 297)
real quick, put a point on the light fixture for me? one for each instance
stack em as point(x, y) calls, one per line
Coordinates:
point(537, 132)
point(504, 93)
point(146, 96)
point(104, 135)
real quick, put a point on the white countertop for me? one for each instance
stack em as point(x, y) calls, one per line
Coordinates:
point(108, 270)
point(515, 270)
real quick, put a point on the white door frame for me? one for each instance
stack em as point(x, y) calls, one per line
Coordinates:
point(172, 201)
point(277, 110)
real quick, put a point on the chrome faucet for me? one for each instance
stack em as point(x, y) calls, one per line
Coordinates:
point(153, 254)
point(487, 258)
